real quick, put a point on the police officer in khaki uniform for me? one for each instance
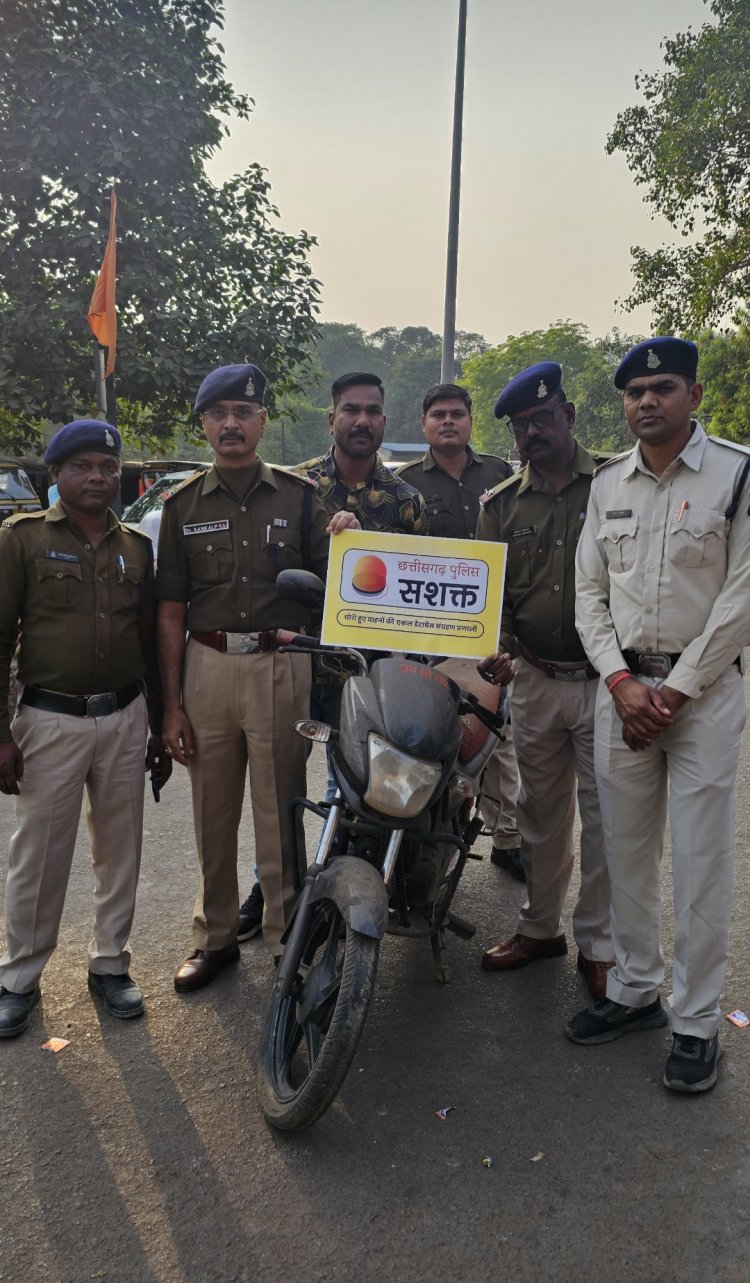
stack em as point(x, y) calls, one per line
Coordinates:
point(454, 480)
point(539, 514)
point(80, 585)
point(663, 609)
point(231, 697)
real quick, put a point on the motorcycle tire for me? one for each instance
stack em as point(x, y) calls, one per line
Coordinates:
point(309, 1039)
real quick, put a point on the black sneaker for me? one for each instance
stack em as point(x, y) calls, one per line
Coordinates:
point(692, 1063)
point(509, 860)
point(251, 914)
point(608, 1020)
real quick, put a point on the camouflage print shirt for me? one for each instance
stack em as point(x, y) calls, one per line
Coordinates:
point(382, 502)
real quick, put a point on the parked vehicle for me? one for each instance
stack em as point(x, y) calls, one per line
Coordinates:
point(16, 491)
point(145, 513)
point(408, 761)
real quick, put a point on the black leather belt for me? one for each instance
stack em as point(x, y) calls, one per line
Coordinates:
point(583, 672)
point(650, 663)
point(82, 705)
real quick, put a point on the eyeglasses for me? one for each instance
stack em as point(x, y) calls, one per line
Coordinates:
point(242, 413)
point(542, 419)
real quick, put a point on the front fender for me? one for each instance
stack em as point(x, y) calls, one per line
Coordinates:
point(358, 891)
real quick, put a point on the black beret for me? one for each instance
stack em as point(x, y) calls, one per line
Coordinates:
point(232, 383)
point(83, 434)
point(529, 388)
point(658, 356)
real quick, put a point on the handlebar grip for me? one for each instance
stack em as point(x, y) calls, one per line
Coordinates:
point(296, 641)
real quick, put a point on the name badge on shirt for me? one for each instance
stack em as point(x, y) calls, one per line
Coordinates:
point(205, 527)
point(619, 512)
point(522, 532)
point(53, 555)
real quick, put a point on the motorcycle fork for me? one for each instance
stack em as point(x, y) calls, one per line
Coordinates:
point(287, 973)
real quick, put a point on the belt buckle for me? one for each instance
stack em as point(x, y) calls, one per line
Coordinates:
point(101, 705)
point(655, 664)
point(242, 643)
point(570, 674)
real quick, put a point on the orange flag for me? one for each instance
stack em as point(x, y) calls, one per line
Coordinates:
point(102, 317)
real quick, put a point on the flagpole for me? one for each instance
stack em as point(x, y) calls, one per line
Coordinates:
point(451, 272)
point(99, 383)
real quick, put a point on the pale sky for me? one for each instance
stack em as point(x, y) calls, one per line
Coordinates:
point(353, 118)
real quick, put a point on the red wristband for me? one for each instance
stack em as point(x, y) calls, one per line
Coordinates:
point(622, 678)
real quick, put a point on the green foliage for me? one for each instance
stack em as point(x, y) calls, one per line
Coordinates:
point(588, 367)
point(688, 144)
point(725, 372)
point(133, 94)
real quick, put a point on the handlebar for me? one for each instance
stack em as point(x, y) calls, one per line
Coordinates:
point(493, 721)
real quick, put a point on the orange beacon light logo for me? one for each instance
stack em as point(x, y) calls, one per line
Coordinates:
point(369, 576)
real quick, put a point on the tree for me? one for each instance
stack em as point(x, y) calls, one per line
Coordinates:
point(725, 371)
point(133, 94)
point(688, 143)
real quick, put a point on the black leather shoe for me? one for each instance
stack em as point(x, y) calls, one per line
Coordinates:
point(202, 966)
point(15, 1010)
point(509, 860)
point(120, 994)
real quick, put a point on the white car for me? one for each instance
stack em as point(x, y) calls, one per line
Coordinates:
point(145, 513)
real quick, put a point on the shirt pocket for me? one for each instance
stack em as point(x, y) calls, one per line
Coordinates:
point(699, 539)
point(282, 551)
point(210, 558)
point(523, 556)
point(61, 583)
point(127, 587)
point(439, 516)
point(618, 539)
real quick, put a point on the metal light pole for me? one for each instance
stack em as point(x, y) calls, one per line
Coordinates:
point(451, 271)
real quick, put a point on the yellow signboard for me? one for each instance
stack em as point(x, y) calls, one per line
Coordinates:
point(407, 593)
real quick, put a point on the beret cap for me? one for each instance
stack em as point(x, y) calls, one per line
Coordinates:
point(658, 356)
point(529, 388)
point(232, 383)
point(83, 434)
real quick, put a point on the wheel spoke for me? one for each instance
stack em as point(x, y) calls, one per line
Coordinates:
point(312, 1043)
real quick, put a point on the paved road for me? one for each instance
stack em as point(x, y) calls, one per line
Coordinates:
point(138, 1155)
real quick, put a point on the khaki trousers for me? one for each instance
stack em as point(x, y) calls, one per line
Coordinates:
point(500, 786)
point(691, 769)
point(242, 709)
point(62, 756)
point(553, 724)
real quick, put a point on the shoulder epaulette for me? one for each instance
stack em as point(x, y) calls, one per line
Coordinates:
point(293, 475)
point(606, 463)
point(15, 517)
point(731, 445)
point(133, 530)
point(189, 481)
point(504, 485)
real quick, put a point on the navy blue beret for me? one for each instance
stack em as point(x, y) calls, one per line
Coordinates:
point(658, 356)
point(231, 383)
point(83, 434)
point(529, 388)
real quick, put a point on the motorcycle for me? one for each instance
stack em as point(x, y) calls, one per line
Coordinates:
point(409, 756)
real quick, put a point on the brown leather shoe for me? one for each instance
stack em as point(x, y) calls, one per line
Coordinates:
point(595, 975)
point(519, 951)
point(201, 967)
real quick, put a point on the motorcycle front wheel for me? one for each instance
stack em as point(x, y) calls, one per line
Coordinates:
point(309, 1038)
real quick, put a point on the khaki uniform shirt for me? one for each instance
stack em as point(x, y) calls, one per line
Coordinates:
point(542, 530)
point(660, 568)
point(221, 554)
point(453, 502)
point(382, 502)
point(86, 615)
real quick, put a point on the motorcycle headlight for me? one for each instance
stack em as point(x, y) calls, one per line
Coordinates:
point(399, 785)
